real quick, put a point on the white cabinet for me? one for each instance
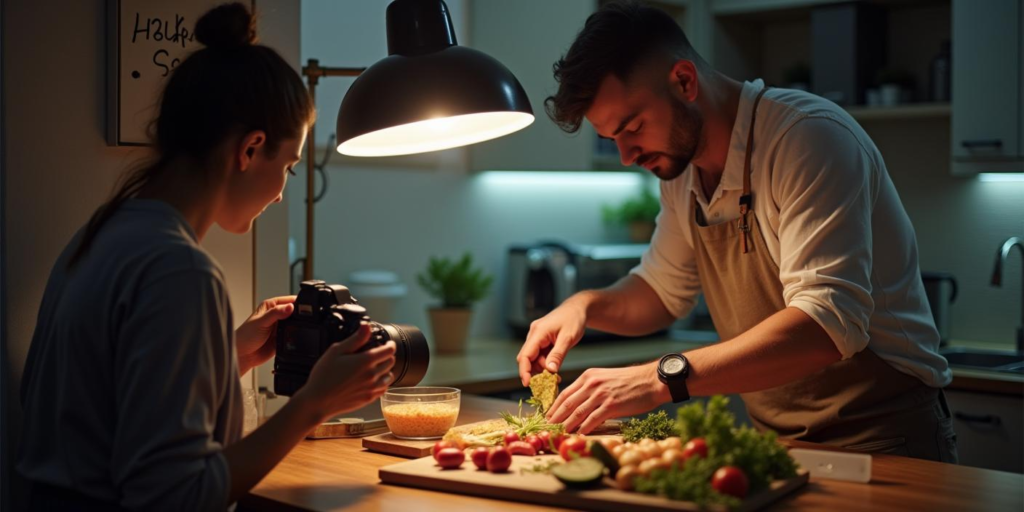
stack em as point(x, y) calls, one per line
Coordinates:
point(989, 429)
point(988, 110)
point(528, 36)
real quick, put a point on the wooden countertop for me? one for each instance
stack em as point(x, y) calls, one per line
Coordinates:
point(338, 474)
point(489, 365)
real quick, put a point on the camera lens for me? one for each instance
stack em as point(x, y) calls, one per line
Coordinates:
point(412, 355)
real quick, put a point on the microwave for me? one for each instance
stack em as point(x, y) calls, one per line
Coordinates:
point(541, 276)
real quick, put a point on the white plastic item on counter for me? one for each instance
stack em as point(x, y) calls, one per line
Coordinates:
point(378, 291)
point(852, 467)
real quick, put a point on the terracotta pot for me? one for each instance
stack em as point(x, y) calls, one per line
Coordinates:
point(450, 327)
point(640, 231)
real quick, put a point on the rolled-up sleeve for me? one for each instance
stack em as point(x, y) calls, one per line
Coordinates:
point(824, 184)
point(669, 266)
point(173, 355)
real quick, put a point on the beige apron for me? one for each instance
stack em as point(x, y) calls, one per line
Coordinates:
point(861, 402)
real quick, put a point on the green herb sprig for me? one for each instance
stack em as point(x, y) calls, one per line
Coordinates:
point(656, 426)
point(532, 424)
point(533, 401)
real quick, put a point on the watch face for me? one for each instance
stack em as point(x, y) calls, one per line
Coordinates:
point(672, 366)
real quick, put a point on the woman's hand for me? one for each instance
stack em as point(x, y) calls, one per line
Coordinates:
point(256, 338)
point(345, 379)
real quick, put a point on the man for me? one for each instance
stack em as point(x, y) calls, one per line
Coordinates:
point(778, 207)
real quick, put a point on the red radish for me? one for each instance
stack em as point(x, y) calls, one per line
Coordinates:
point(521, 448)
point(479, 457)
point(550, 441)
point(499, 460)
point(450, 458)
point(730, 480)
point(696, 446)
point(535, 442)
point(575, 444)
point(545, 442)
point(441, 445)
point(511, 437)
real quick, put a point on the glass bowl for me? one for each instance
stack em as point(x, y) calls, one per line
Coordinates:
point(420, 412)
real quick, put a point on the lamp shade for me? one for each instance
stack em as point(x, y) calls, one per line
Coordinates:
point(429, 93)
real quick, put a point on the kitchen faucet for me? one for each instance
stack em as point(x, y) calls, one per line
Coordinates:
point(997, 280)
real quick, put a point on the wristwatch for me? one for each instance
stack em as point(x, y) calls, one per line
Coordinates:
point(673, 370)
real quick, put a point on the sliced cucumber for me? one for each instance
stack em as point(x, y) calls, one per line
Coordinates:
point(581, 472)
point(599, 452)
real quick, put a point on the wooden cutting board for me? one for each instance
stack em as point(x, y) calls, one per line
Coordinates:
point(545, 489)
point(388, 443)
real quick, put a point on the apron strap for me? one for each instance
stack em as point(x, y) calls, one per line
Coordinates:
point(746, 200)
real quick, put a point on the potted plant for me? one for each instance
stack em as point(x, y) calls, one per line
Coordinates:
point(637, 213)
point(457, 285)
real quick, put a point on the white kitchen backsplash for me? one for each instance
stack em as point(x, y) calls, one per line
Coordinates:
point(396, 219)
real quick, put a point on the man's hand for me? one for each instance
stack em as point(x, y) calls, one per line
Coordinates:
point(256, 338)
point(604, 393)
point(550, 337)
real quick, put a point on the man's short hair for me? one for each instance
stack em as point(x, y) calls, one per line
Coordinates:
point(614, 40)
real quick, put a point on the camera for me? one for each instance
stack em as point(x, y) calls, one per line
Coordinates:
point(326, 314)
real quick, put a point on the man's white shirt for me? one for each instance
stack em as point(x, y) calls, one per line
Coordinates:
point(832, 221)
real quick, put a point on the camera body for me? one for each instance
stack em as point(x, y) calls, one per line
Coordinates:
point(326, 314)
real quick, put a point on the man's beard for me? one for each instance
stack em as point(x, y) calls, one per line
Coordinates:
point(685, 140)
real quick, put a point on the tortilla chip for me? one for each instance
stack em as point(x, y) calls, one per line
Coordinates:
point(459, 435)
point(544, 387)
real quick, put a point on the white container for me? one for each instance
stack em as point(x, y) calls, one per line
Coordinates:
point(378, 291)
point(890, 94)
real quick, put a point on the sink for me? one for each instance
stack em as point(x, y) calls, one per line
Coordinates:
point(1000, 361)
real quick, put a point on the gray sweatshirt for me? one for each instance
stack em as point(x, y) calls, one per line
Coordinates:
point(131, 388)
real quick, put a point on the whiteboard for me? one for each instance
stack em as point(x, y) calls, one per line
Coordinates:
point(146, 39)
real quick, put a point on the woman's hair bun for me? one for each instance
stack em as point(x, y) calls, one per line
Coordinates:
point(227, 26)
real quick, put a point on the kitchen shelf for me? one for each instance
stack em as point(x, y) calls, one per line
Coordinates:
point(910, 111)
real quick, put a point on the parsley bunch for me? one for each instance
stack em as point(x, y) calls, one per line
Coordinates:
point(656, 426)
point(759, 455)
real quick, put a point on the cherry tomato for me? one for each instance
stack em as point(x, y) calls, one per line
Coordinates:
point(450, 458)
point(441, 445)
point(499, 460)
point(479, 457)
point(730, 480)
point(573, 444)
point(552, 442)
point(696, 446)
point(535, 442)
point(511, 437)
point(557, 440)
point(521, 448)
point(545, 441)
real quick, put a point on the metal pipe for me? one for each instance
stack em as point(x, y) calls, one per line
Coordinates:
point(312, 71)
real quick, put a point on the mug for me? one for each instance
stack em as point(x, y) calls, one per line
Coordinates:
point(940, 288)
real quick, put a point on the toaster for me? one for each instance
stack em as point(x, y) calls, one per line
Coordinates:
point(541, 276)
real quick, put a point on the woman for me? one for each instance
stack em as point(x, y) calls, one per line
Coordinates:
point(131, 390)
